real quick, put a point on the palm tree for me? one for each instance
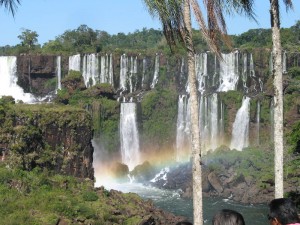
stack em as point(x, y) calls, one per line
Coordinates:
point(175, 16)
point(11, 5)
point(278, 95)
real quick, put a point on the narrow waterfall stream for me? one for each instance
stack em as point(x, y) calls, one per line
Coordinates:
point(240, 130)
point(156, 72)
point(58, 72)
point(129, 135)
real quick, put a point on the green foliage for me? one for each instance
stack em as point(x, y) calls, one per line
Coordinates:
point(73, 76)
point(90, 196)
point(159, 114)
point(28, 38)
point(251, 162)
point(294, 138)
point(42, 197)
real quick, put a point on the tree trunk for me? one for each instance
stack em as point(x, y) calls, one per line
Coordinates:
point(196, 151)
point(278, 98)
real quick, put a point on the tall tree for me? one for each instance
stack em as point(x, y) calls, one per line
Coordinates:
point(28, 38)
point(278, 94)
point(11, 5)
point(175, 16)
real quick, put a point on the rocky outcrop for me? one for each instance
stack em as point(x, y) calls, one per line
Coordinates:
point(53, 137)
point(37, 74)
point(144, 212)
point(239, 178)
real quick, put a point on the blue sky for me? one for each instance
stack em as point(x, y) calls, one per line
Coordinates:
point(50, 18)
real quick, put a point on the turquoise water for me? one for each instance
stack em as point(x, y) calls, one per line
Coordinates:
point(171, 201)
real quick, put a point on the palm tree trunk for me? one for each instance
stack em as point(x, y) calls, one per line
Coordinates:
point(278, 98)
point(196, 151)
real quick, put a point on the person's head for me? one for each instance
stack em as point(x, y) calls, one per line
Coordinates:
point(282, 211)
point(228, 217)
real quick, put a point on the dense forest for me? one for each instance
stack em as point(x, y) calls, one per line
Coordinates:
point(86, 40)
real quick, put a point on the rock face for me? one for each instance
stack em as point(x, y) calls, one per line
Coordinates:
point(58, 138)
point(37, 74)
point(143, 211)
point(222, 177)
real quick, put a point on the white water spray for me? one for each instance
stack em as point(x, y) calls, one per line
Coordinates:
point(229, 72)
point(8, 84)
point(240, 130)
point(156, 72)
point(58, 72)
point(130, 149)
point(74, 62)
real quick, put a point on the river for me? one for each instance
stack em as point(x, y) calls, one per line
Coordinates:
point(170, 201)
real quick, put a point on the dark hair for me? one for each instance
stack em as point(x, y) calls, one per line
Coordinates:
point(284, 210)
point(228, 217)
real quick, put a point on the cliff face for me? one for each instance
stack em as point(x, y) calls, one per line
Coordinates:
point(37, 74)
point(58, 138)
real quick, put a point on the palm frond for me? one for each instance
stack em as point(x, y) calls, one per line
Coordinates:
point(11, 5)
point(170, 14)
point(288, 4)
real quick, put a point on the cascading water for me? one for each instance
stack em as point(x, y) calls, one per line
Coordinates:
point(201, 71)
point(210, 111)
point(74, 62)
point(111, 71)
point(58, 72)
point(129, 136)
point(240, 130)
point(123, 72)
point(106, 69)
point(90, 70)
point(258, 122)
point(8, 84)
point(244, 73)
point(156, 71)
point(284, 63)
point(133, 73)
point(183, 130)
point(229, 74)
point(144, 73)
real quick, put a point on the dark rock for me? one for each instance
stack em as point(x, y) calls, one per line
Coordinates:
point(120, 171)
point(143, 172)
point(215, 182)
point(34, 73)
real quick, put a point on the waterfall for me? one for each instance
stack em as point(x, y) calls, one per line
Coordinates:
point(133, 72)
point(272, 120)
point(284, 63)
point(106, 69)
point(74, 62)
point(103, 69)
point(183, 129)
point(123, 72)
point(8, 84)
point(58, 72)
point(258, 122)
point(214, 122)
point(240, 130)
point(144, 72)
point(156, 71)
point(90, 70)
point(221, 123)
point(244, 73)
point(111, 71)
point(229, 72)
point(129, 135)
point(209, 121)
point(201, 70)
